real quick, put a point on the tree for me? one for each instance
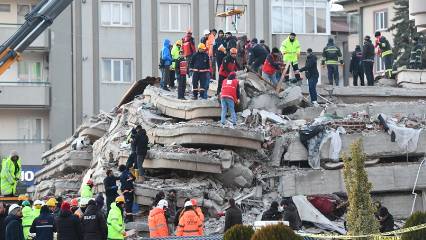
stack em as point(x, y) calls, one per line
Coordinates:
point(360, 217)
point(405, 31)
point(415, 219)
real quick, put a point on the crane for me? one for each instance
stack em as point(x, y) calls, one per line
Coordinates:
point(36, 21)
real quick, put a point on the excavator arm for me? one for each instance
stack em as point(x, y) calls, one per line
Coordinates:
point(36, 21)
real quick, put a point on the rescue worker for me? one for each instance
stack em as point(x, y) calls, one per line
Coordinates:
point(27, 218)
point(197, 209)
point(43, 226)
point(271, 66)
point(290, 48)
point(219, 42)
point(181, 72)
point(233, 215)
point(416, 55)
point(171, 209)
point(331, 56)
point(51, 203)
point(93, 224)
point(291, 214)
point(188, 45)
point(75, 209)
point(127, 189)
point(13, 223)
point(10, 174)
point(175, 55)
point(110, 184)
point(165, 63)
point(67, 224)
point(190, 223)
point(157, 222)
point(356, 66)
point(272, 214)
point(368, 60)
point(229, 64)
point(141, 142)
point(210, 50)
point(131, 160)
point(241, 51)
point(257, 55)
point(200, 66)
point(116, 227)
point(86, 191)
point(180, 212)
point(263, 44)
point(37, 208)
point(312, 75)
point(229, 97)
point(385, 51)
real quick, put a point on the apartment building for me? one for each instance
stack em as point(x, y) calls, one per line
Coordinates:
point(417, 9)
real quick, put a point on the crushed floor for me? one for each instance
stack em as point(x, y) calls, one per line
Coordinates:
point(260, 160)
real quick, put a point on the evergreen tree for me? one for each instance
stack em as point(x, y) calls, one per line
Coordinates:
point(360, 216)
point(404, 31)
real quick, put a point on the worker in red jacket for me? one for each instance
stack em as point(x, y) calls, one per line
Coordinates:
point(230, 96)
point(229, 64)
point(272, 65)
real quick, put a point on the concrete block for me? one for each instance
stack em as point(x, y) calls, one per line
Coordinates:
point(237, 176)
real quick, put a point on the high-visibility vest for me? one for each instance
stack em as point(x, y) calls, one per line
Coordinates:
point(157, 223)
point(115, 223)
point(190, 224)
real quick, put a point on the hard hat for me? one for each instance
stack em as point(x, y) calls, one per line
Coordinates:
point(74, 202)
point(51, 202)
point(90, 182)
point(194, 202)
point(38, 202)
point(233, 51)
point(188, 204)
point(162, 203)
point(84, 202)
point(13, 207)
point(22, 197)
point(26, 203)
point(119, 199)
point(206, 32)
point(179, 42)
point(202, 46)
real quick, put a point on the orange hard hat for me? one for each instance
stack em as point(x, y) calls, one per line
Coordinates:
point(74, 202)
point(202, 46)
point(194, 202)
point(233, 51)
point(90, 182)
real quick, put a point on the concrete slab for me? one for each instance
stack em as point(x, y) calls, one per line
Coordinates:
point(57, 187)
point(169, 105)
point(411, 78)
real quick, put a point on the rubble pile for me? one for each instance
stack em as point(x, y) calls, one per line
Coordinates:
point(262, 159)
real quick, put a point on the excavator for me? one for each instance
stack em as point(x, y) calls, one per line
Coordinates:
point(36, 21)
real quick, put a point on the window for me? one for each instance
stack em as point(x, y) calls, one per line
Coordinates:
point(116, 14)
point(380, 64)
point(30, 71)
point(4, 7)
point(234, 24)
point(30, 128)
point(300, 16)
point(353, 22)
point(117, 70)
point(175, 17)
point(22, 10)
point(381, 20)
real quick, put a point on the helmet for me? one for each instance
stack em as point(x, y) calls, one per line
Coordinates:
point(206, 32)
point(119, 199)
point(51, 202)
point(179, 42)
point(162, 203)
point(38, 202)
point(26, 203)
point(74, 202)
point(188, 204)
point(233, 51)
point(13, 207)
point(202, 46)
point(90, 182)
point(84, 202)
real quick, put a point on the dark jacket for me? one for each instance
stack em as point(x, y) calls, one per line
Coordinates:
point(178, 213)
point(331, 54)
point(416, 54)
point(14, 230)
point(110, 183)
point(2, 226)
point(271, 215)
point(233, 217)
point(386, 224)
point(257, 53)
point(126, 182)
point(310, 67)
point(292, 216)
point(383, 44)
point(68, 226)
point(356, 61)
point(218, 54)
point(178, 61)
point(141, 142)
point(172, 209)
point(44, 226)
point(265, 47)
point(230, 42)
point(94, 226)
point(368, 51)
point(200, 61)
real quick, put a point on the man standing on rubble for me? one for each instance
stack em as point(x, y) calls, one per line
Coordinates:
point(200, 66)
point(332, 56)
point(229, 64)
point(257, 55)
point(172, 208)
point(110, 184)
point(219, 42)
point(10, 174)
point(127, 188)
point(190, 223)
point(157, 222)
point(368, 60)
point(230, 96)
point(116, 227)
point(141, 142)
point(233, 215)
point(271, 66)
point(131, 161)
point(356, 66)
point(312, 75)
point(165, 63)
point(290, 49)
point(272, 214)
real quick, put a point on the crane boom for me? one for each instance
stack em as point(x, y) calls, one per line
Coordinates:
point(36, 21)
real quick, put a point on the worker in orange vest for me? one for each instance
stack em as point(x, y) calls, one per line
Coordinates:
point(190, 223)
point(157, 222)
point(197, 209)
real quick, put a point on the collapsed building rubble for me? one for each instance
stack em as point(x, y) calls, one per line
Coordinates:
point(260, 160)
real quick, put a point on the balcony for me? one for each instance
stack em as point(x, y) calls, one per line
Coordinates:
point(29, 150)
point(7, 30)
point(24, 95)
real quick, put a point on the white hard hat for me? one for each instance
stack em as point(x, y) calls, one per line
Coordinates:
point(13, 207)
point(188, 204)
point(84, 201)
point(206, 32)
point(162, 203)
point(38, 202)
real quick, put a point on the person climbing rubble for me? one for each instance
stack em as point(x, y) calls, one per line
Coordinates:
point(272, 65)
point(110, 185)
point(10, 174)
point(229, 64)
point(272, 214)
point(200, 66)
point(116, 227)
point(257, 56)
point(157, 222)
point(127, 189)
point(230, 96)
point(132, 160)
point(233, 215)
point(141, 142)
point(190, 223)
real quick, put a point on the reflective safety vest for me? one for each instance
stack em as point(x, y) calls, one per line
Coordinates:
point(27, 220)
point(290, 50)
point(115, 223)
point(190, 224)
point(229, 90)
point(175, 55)
point(384, 46)
point(188, 46)
point(9, 176)
point(86, 192)
point(36, 212)
point(157, 223)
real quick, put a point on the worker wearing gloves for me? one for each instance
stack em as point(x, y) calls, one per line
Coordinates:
point(229, 97)
point(385, 51)
point(27, 218)
point(332, 56)
point(10, 174)
point(190, 223)
point(290, 49)
point(200, 66)
point(116, 228)
point(86, 191)
point(157, 222)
